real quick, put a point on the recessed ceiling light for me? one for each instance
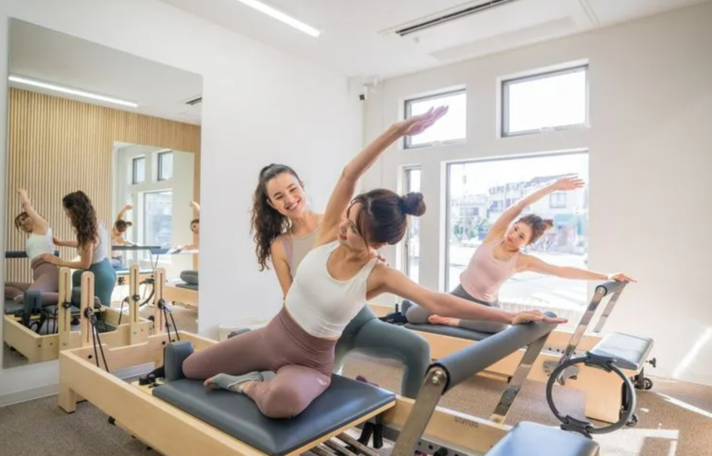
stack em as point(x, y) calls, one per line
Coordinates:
point(280, 16)
point(67, 90)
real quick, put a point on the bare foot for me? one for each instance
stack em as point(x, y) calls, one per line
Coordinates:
point(446, 321)
point(209, 384)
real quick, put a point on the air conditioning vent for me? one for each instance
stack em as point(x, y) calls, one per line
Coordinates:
point(451, 16)
point(194, 101)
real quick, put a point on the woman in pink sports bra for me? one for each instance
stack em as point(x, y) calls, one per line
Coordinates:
point(499, 258)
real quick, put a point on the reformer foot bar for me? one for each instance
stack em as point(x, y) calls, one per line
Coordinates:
point(608, 397)
point(17, 332)
point(180, 417)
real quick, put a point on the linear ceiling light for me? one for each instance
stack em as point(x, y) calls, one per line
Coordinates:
point(280, 16)
point(67, 90)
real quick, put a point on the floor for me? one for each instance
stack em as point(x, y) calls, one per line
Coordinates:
point(675, 418)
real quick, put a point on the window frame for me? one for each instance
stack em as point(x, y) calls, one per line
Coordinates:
point(448, 196)
point(134, 160)
point(504, 100)
point(407, 109)
point(159, 162)
point(144, 206)
point(406, 244)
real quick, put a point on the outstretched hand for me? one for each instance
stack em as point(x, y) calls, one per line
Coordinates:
point(620, 277)
point(23, 193)
point(528, 316)
point(417, 124)
point(568, 183)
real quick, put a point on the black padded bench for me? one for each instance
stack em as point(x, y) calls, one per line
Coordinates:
point(629, 352)
point(12, 307)
point(530, 439)
point(342, 404)
point(238, 416)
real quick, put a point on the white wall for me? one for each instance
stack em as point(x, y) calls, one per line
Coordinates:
point(650, 156)
point(260, 105)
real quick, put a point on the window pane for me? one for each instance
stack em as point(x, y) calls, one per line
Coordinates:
point(158, 216)
point(165, 166)
point(478, 194)
point(554, 100)
point(451, 127)
point(139, 170)
point(412, 254)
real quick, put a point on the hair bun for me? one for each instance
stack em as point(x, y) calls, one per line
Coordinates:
point(549, 223)
point(413, 204)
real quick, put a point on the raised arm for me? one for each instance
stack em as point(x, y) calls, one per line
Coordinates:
point(515, 210)
point(345, 188)
point(40, 223)
point(534, 264)
point(383, 279)
point(122, 212)
point(195, 206)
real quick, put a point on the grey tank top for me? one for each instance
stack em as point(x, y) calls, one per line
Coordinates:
point(297, 248)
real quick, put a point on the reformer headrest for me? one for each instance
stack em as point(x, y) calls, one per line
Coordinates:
point(173, 357)
point(469, 361)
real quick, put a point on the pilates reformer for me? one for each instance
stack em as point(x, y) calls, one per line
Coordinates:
point(72, 304)
point(178, 416)
point(606, 368)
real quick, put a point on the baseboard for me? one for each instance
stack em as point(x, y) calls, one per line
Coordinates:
point(18, 397)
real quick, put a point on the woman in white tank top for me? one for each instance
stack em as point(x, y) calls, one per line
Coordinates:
point(45, 275)
point(331, 286)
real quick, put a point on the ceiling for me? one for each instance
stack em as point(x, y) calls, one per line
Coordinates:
point(52, 57)
point(358, 37)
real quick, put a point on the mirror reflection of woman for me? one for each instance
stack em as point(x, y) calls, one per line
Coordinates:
point(45, 274)
point(117, 237)
point(92, 244)
point(195, 229)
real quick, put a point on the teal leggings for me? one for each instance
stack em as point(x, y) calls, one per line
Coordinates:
point(104, 280)
point(369, 335)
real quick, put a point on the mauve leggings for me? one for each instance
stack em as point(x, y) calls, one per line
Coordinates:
point(45, 278)
point(303, 365)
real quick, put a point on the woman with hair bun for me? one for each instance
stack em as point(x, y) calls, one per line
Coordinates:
point(499, 257)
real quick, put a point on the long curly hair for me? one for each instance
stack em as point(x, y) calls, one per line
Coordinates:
point(267, 223)
point(82, 216)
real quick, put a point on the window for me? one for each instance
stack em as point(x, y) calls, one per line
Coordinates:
point(158, 218)
point(412, 239)
point(451, 128)
point(557, 200)
point(165, 166)
point(485, 186)
point(138, 170)
point(550, 100)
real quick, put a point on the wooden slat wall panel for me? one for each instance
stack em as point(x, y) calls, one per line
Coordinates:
point(57, 146)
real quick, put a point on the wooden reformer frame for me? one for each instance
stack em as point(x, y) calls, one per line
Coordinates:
point(38, 348)
point(415, 424)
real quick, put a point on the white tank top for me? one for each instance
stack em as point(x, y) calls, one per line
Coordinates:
point(320, 304)
point(37, 244)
